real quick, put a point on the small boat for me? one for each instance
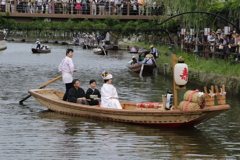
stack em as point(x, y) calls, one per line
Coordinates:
point(3, 44)
point(147, 65)
point(86, 46)
point(34, 50)
point(112, 48)
point(133, 50)
point(151, 114)
point(100, 51)
point(63, 43)
point(147, 68)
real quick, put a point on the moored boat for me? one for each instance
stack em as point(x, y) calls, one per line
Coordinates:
point(132, 112)
point(34, 50)
point(3, 44)
point(114, 47)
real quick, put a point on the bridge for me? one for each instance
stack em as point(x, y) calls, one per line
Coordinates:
point(59, 11)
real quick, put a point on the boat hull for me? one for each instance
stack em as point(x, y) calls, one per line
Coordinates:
point(99, 51)
point(148, 68)
point(34, 50)
point(130, 112)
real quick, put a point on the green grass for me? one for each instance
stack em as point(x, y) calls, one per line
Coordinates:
point(217, 66)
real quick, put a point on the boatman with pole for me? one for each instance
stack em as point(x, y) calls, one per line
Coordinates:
point(67, 69)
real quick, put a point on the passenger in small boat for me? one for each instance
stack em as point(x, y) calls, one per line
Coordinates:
point(109, 96)
point(103, 44)
point(133, 61)
point(93, 94)
point(67, 69)
point(38, 44)
point(148, 59)
point(141, 57)
point(76, 94)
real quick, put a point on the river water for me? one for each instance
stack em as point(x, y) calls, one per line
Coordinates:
point(30, 131)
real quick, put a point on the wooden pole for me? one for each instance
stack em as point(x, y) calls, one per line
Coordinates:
point(175, 87)
point(42, 86)
point(175, 93)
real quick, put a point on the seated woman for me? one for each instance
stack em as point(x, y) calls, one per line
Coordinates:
point(77, 94)
point(109, 96)
point(93, 94)
point(148, 59)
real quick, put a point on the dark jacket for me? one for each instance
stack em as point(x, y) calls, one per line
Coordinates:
point(74, 94)
point(91, 92)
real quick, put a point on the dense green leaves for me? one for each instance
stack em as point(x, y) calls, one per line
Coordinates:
point(122, 29)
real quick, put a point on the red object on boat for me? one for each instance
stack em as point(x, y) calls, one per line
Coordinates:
point(149, 105)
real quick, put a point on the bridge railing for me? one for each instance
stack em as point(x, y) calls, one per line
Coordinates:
point(59, 7)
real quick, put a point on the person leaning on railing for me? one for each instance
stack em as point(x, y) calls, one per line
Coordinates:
point(101, 6)
point(119, 7)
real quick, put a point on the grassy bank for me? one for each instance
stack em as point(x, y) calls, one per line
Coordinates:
point(201, 71)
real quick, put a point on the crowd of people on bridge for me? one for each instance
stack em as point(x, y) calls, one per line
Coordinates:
point(86, 7)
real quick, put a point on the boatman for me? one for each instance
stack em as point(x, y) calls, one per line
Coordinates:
point(154, 52)
point(38, 44)
point(67, 69)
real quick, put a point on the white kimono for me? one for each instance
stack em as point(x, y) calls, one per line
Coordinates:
point(107, 91)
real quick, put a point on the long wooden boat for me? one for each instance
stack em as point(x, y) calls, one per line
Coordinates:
point(114, 47)
point(99, 51)
point(34, 50)
point(147, 68)
point(131, 112)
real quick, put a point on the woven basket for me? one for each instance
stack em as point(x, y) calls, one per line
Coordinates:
point(191, 106)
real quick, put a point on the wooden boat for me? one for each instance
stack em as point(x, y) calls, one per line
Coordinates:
point(63, 43)
point(34, 50)
point(133, 50)
point(85, 46)
point(112, 48)
point(147, 68)
point(3, 44)
point(99, 51)
point(131, 113)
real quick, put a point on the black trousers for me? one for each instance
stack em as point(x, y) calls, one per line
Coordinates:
point(68, 87)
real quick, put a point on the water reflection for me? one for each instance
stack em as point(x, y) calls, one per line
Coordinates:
point(114, 138)
point(28, 131)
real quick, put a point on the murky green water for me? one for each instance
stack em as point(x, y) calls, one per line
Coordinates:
point(32, 132)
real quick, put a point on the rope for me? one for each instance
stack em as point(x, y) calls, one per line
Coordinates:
point(190, 98)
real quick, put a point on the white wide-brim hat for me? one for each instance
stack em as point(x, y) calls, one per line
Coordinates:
point(106, 75)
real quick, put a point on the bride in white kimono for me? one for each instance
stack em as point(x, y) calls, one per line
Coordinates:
point(109, 96)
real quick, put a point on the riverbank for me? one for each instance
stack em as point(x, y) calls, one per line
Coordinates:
point(201, 71)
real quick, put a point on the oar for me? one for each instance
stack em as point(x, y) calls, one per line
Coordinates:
point(154, 60)
point(42, 86)
point(140, 74)
point(104, 51)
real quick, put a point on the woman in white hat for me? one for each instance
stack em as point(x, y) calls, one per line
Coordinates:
point(109, 96)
